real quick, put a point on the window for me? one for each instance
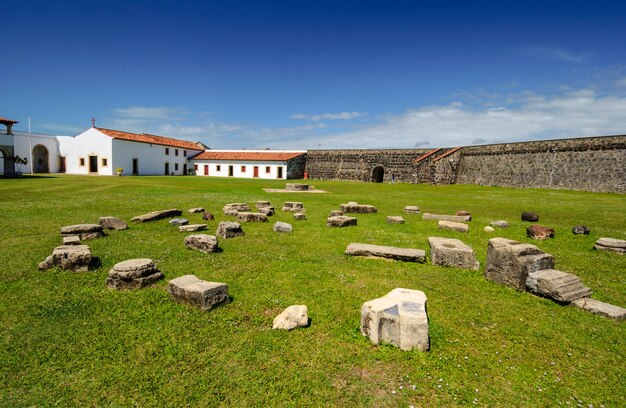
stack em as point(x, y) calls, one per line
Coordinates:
point(185, 153)
point(167, 151)
point(81, 162)
point(218, 168)
point(195, 167)
point(243, 169)
point(175, 152)
point(268, 169)
point(105, 162)
point(176, 166)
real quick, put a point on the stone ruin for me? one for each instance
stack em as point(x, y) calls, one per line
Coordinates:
point(353, 207)
point(83, 231)
point(296, 187)
point(246, 216)
point(264, 207)
point(539, 232)
point(133, 274)
point(177, 222)
point(452, 252)
point(399, 318)
point(395, 219)
point(299, 216)
point(452, 226)
point(190, 290)
point(113, 223)
point(196, 210)
point(234, 208)
point(291, 318)
point(68, 258)
point(157, 215)
point(387, 252)
point(411, 209)
point(293, 206)
point(340, 221)
point(202, 242)
point(444, 217)
point(192, 227)
point(282, 227)
point(611, 244)
point(229, 229)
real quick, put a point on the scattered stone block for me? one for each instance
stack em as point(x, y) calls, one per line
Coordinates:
point(190, 290)
point(195, 210)
point(462, 213)
point(229, 229)
point(282, 227)
point(453, 226)
point(340, 221)
point(293, 206)
point(411, 209)
point(262, 204)
point(251, 217)
point(539, 232)
point(296, 187)
point(268, 211)
point(443, 217)
point(499, 224)
point(398, 318)
point(84, 231)
point(353, 207)
point(71, 240)
point(292, 317)
point(560, 286)
point(202, 242)
point(299, 216)
point(133, 274)
point(611, 244)
point(192, 227)
point(509, 262)
point(234, 208)
point(488, 229)
point(452, 252)
point(334, 213)
point(530, 216)
point(388, 252)
point(157, 215)
point(207, 216)
point(600, 308)
point(113, 223)
point(581, 230)
point(179, 221)
point(395, 219)
point(68, 258)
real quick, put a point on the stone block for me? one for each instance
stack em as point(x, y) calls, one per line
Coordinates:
point(113, 223)
point(581, 230)
point(202, 242)
point(157, 215)
point(84, 231)
point(388, 252)
point(292, 317)
point(262, 204)
point(358, 208)
point(229, 229)
point(268, 211)
point(611, 244)
point(395, 219)
point(499, 224)
point(192, 227)
point(251, 217)
point(340, 221)
point(530, 216)
point(509, 262)
point(444, 217)
point(453, 226)
point(462, 213)
point(133, 274)
point(600, 308)
point(177, 222)
point(207, 216)
point(488, 229)
point(399, 318)
point(195, 210)
point(293, 206)
point(556, 285)
point(71, 240)
point(411, 209)
point(299, 216)
point(233, 208)
point(539, 232)
point(335, 213)
point(452, 252)
point(68, 258)
point(282, 227)
point(296, 187)
point(190, 290)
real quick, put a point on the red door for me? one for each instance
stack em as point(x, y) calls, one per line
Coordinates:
point(256, 171)
point(206, 169)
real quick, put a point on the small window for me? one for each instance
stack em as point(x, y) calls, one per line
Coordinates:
point(167, 151)
point(243, 169)
point(268, 169)
point(105, 162)
point(175, 152)
point(185, 153)
point(218, 168)
point(81, 162)
point(176, 166)
point(195, 167)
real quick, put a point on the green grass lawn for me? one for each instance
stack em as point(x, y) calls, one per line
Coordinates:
point(69, 341)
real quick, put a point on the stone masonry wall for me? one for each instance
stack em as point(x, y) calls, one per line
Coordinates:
point(590, 164)
point(295, 167)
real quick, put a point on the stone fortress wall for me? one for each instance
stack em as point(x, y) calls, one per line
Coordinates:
point(590, 164)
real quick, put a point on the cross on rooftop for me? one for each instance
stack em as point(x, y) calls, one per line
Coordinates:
point(93, 122)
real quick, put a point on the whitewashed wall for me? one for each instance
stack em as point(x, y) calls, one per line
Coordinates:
point(237, 170)
point(89, 143)
point(151, 158)
point(25, 143)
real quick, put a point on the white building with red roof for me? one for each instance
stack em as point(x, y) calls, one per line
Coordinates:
point(263, 164)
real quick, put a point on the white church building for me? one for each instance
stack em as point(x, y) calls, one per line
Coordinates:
point(107, 152)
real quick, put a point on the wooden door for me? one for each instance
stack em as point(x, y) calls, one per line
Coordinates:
point(255, 171)
point(206, 169)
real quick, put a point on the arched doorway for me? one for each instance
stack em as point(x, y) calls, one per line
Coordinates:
point(40, 159)
point(378, 173)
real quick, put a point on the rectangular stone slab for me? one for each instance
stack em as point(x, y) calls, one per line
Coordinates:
point(190, 290)
point(157, 215)
point(457, 218)
point(509, 262)
point(557, 285)
point(600, 308)
point(378, 251)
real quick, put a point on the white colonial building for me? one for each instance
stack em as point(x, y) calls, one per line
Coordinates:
point(263, 164)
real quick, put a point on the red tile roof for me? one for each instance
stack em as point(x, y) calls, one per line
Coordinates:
point(5, 121)
point(247, 156)
point(147, 138)
point(448, 153)
point(426, 156)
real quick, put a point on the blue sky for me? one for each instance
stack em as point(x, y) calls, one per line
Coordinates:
point(318, 74)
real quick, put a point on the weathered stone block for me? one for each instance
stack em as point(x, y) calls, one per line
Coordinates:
point(600, 308)
point(395, 219)
point(539, 232)
point(509, 262)
point(293, 206)
point(340, 221)
point(560, 286)
point(379, 251)
point(177, 222)
point(251, 217)
point(282, 227)
point(358, 208)
point(133, 274)
point(68, 258)
point(335, 213)
point(581, 230)
point(292, 317)
point(488, 229)
point(190, 290)
point(229, 229)
point(262, 204)
point(268, 211)
point(84, 231)
point(157, 215)
point(411, 209)
point(296, 187)
point(453, 226)
point(207, 216)
point(456, 218)
point(499, 224)
point(113, 223)
point(234, 208)
point(195, 210)
point(611, 244)
point(452, 252)
point(398, 318)
point(202, 242)
point(299, 216)
point(530, 216)
point(71, 240)
point(192, 227)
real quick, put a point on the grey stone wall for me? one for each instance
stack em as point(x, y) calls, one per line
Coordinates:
point(295, 167)
point(590, 164)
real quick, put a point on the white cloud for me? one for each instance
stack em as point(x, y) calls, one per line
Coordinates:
point(329, 116)
point(621, 82)
point(554, 54)
point(149, 113)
